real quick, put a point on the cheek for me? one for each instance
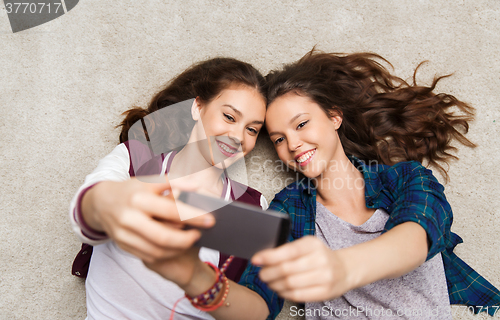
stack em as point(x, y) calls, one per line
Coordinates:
point(249, 144)
point(283, 155)
point(313, 134)
point(215, 128)
point(212, 124)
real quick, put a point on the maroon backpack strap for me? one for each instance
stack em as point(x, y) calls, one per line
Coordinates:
point(81, 263)
point(249, 196)
point(142, 159)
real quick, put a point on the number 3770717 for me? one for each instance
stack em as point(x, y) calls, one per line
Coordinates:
point(461, 310)
point(33, 8)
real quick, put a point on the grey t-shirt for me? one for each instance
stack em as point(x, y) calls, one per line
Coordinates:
point(421, 294)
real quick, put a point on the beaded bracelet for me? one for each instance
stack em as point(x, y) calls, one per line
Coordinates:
point(209, 296)
point(206, 300)
point(209, 308)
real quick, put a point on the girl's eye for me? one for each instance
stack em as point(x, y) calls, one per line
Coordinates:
point(277, 141)
point(302, 124)
point(228, 117)
point(253, 131)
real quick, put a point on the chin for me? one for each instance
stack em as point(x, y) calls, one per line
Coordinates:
point(309, 173)
point(227, 162)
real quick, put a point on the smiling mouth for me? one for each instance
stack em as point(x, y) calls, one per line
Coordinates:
point(304, 158)
point(226, 149)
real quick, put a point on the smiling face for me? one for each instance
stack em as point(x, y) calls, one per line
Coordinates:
point(304, 137)
point(230, 123)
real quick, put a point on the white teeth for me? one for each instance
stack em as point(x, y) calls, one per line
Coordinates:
point(226, 148)
point(305, 156)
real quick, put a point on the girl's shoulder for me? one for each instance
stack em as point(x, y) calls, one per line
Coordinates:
point(396, 177)
point(409, 175)
point(400, 170)
point(377, 168)
point(407, 170)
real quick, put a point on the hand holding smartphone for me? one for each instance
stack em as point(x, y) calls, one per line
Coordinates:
point(240, 229)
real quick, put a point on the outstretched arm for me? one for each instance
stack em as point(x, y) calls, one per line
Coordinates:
point(307, 270)
point(418, 228)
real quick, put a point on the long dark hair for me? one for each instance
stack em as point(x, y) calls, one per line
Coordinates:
point(204, 80)
point(383, 117)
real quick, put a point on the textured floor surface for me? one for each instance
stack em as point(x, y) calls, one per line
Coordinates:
point(64, 84)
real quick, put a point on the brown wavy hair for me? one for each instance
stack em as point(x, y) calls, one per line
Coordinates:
point(384, 118)
point(203, 80)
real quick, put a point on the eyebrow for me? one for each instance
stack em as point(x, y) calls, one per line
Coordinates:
point(291, 121)
point(238, 112)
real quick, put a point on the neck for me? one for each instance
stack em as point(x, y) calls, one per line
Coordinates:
point(341, 184)
point(190, 166)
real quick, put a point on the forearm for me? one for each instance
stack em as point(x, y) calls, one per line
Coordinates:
point(244, 304)
point(393, 254)
point(241, 302)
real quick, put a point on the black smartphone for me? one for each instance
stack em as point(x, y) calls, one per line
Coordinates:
point(240, 229)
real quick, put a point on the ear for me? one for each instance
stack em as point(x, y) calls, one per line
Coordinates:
point(196, 109)
point(337, 121)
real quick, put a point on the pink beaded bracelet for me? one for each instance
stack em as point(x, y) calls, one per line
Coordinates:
point(209, 308)
point(207, 298)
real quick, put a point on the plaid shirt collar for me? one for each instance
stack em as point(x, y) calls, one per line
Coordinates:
point(373, 185)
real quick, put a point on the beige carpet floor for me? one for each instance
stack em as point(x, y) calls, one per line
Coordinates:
point(64, 84)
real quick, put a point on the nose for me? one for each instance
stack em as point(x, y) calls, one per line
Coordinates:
point(293, 142)
point(236, 136)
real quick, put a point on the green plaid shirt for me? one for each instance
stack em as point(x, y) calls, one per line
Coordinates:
point(408, 192)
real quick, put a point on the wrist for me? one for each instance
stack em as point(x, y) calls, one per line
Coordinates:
point(203, 278)
point(87, 210)
point(353, 276)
